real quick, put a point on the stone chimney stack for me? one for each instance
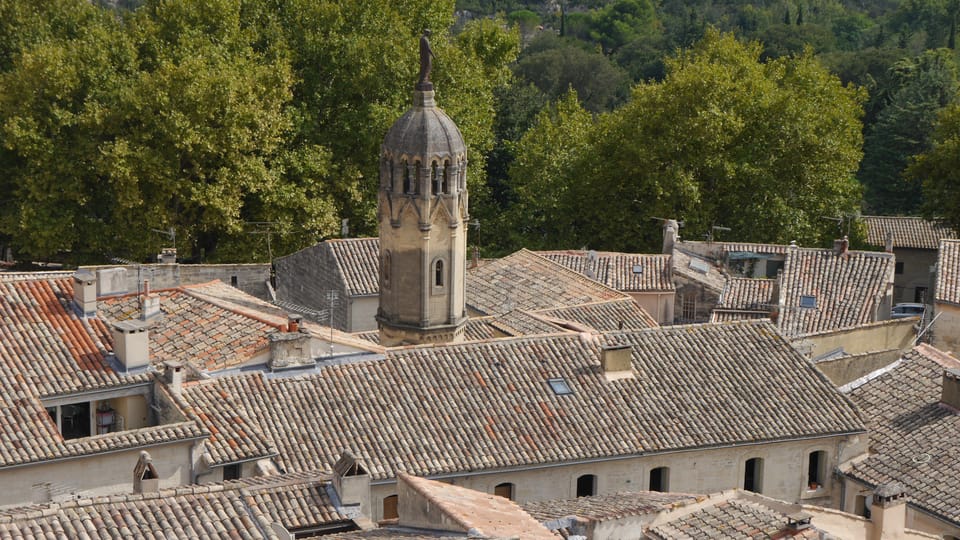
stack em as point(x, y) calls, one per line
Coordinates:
point(131, 344)
point(841, 247)
point(671, 235)
point(145, 477)
point(85, 293)
point(888, 242)
point(149, 303)
point(888, 512)
point(352, 482)
point(950, 390)
point(615, 362)
point(291, 348)
point(174, 376)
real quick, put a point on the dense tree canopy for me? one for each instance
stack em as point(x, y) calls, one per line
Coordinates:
point(764, 148)
point(939, 169)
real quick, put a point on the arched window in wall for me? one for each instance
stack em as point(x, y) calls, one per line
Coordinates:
point(385, 268)
point(504, 490)
point(753, 475)
point(406, 177)
point(660, 479)
point(438, 276)
point(434, 179)
point(587, 485)
point(445, 183)
point(390, 507)
point(392, 175)
point(416, 177)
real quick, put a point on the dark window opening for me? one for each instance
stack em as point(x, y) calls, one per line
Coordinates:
point(385, 270)
point(815, 466)
point(231, 472)
point(75, 420)
point(898, 269)
point(438, 277)
point(920, 295)
point(52, 411)
point(504, 490)
point(406, 178)
point(434, 179)
point(753, 475)
point(445, 183)
point(660, 479)
point(862, 506)
point(587, 485)
point(390, 507)
point(391, 173)
point(233, 281)
point(688, 306)
point(416, 177)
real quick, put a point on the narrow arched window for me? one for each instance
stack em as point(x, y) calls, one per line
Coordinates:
point(406, 177)
point(416, 176)
point(438, 274)
point(445, 184)
point(385, 268)
point(753, 475)
point(391, 172)
point(587, 485)
point(660, 479)
point(434, 179)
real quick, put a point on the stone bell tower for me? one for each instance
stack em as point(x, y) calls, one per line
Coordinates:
point(422, 214)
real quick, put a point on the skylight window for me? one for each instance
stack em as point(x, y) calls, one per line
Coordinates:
point(808, 301)
point(699, 266)
point(560, 386)
point(637, 269)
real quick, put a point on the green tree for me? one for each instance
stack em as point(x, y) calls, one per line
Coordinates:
point(763, 148)
point(919, 89)
point(939, 169)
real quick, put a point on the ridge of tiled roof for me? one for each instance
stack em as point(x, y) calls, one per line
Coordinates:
point(487, 405)
point(848, 289)
point(740, 518)
point(606, 316)
point(32, 276)
point(912, 436)
point(608, 506)
point(908, 231)
point(615, 269)
point(526, 281)
point(228, 510)
point(948, 272)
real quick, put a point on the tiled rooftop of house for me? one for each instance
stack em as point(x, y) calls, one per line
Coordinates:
point(604, 316)
point(734, 519)
point(948, 272)
point(358, 262)
point(526, 281)
point(231, 510)
point(633, 272)
point(745, 299)
point(913, 436)
point(907, 232)
point(822, 289)
point(46, 350)
point(696, 268)
point(608, 506)
point(488, 405)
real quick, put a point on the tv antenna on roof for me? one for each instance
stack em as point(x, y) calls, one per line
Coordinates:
point(715, 228)
point(170, 233)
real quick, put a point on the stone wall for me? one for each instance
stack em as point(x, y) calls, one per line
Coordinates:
point(916, 273)
point(946, 329)
point(249, 278)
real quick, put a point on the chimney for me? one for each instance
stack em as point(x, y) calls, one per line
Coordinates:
point(85, 293)
point(352, 482)
point(167, 256)
point(615, 362)
point(290, 349)
point(671, 236)
point(145, 477)
point(476, 256)
point(798, 521)
point(130, 344)
point(888, 242)
point(149, 304)
point(950, 391)
point(293, 322)
point(888, 512)
point(174, 376)
point(841, 247)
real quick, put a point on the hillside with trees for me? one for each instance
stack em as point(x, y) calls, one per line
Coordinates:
point(252, 128)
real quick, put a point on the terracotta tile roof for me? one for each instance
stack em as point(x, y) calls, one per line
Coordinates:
point(609, 506)
point(721, 316)
point(845, 290)
point(34, 276)
point(521, 323)
point(748, 294)
point(605, 316)
point(733, 519)
point(486, 405)
point(47, 351)
point(618, 270)
point(948, 272)
point(747, 247)
point(208, 335)
point(230, 510)
point(529, 282)
point(358, 260)
point(391, 533)
point(908, 232)
point(913, 438)
point(481, 514)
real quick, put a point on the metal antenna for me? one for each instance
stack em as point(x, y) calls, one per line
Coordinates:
point(268, 232)
point(715, 228)
point(170, 233)
point(476, 225)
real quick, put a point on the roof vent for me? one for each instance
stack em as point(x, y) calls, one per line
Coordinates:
point(145, 477)
point(950, 392)
point(615, 361)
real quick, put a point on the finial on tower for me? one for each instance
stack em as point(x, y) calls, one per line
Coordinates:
point(426, 62)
